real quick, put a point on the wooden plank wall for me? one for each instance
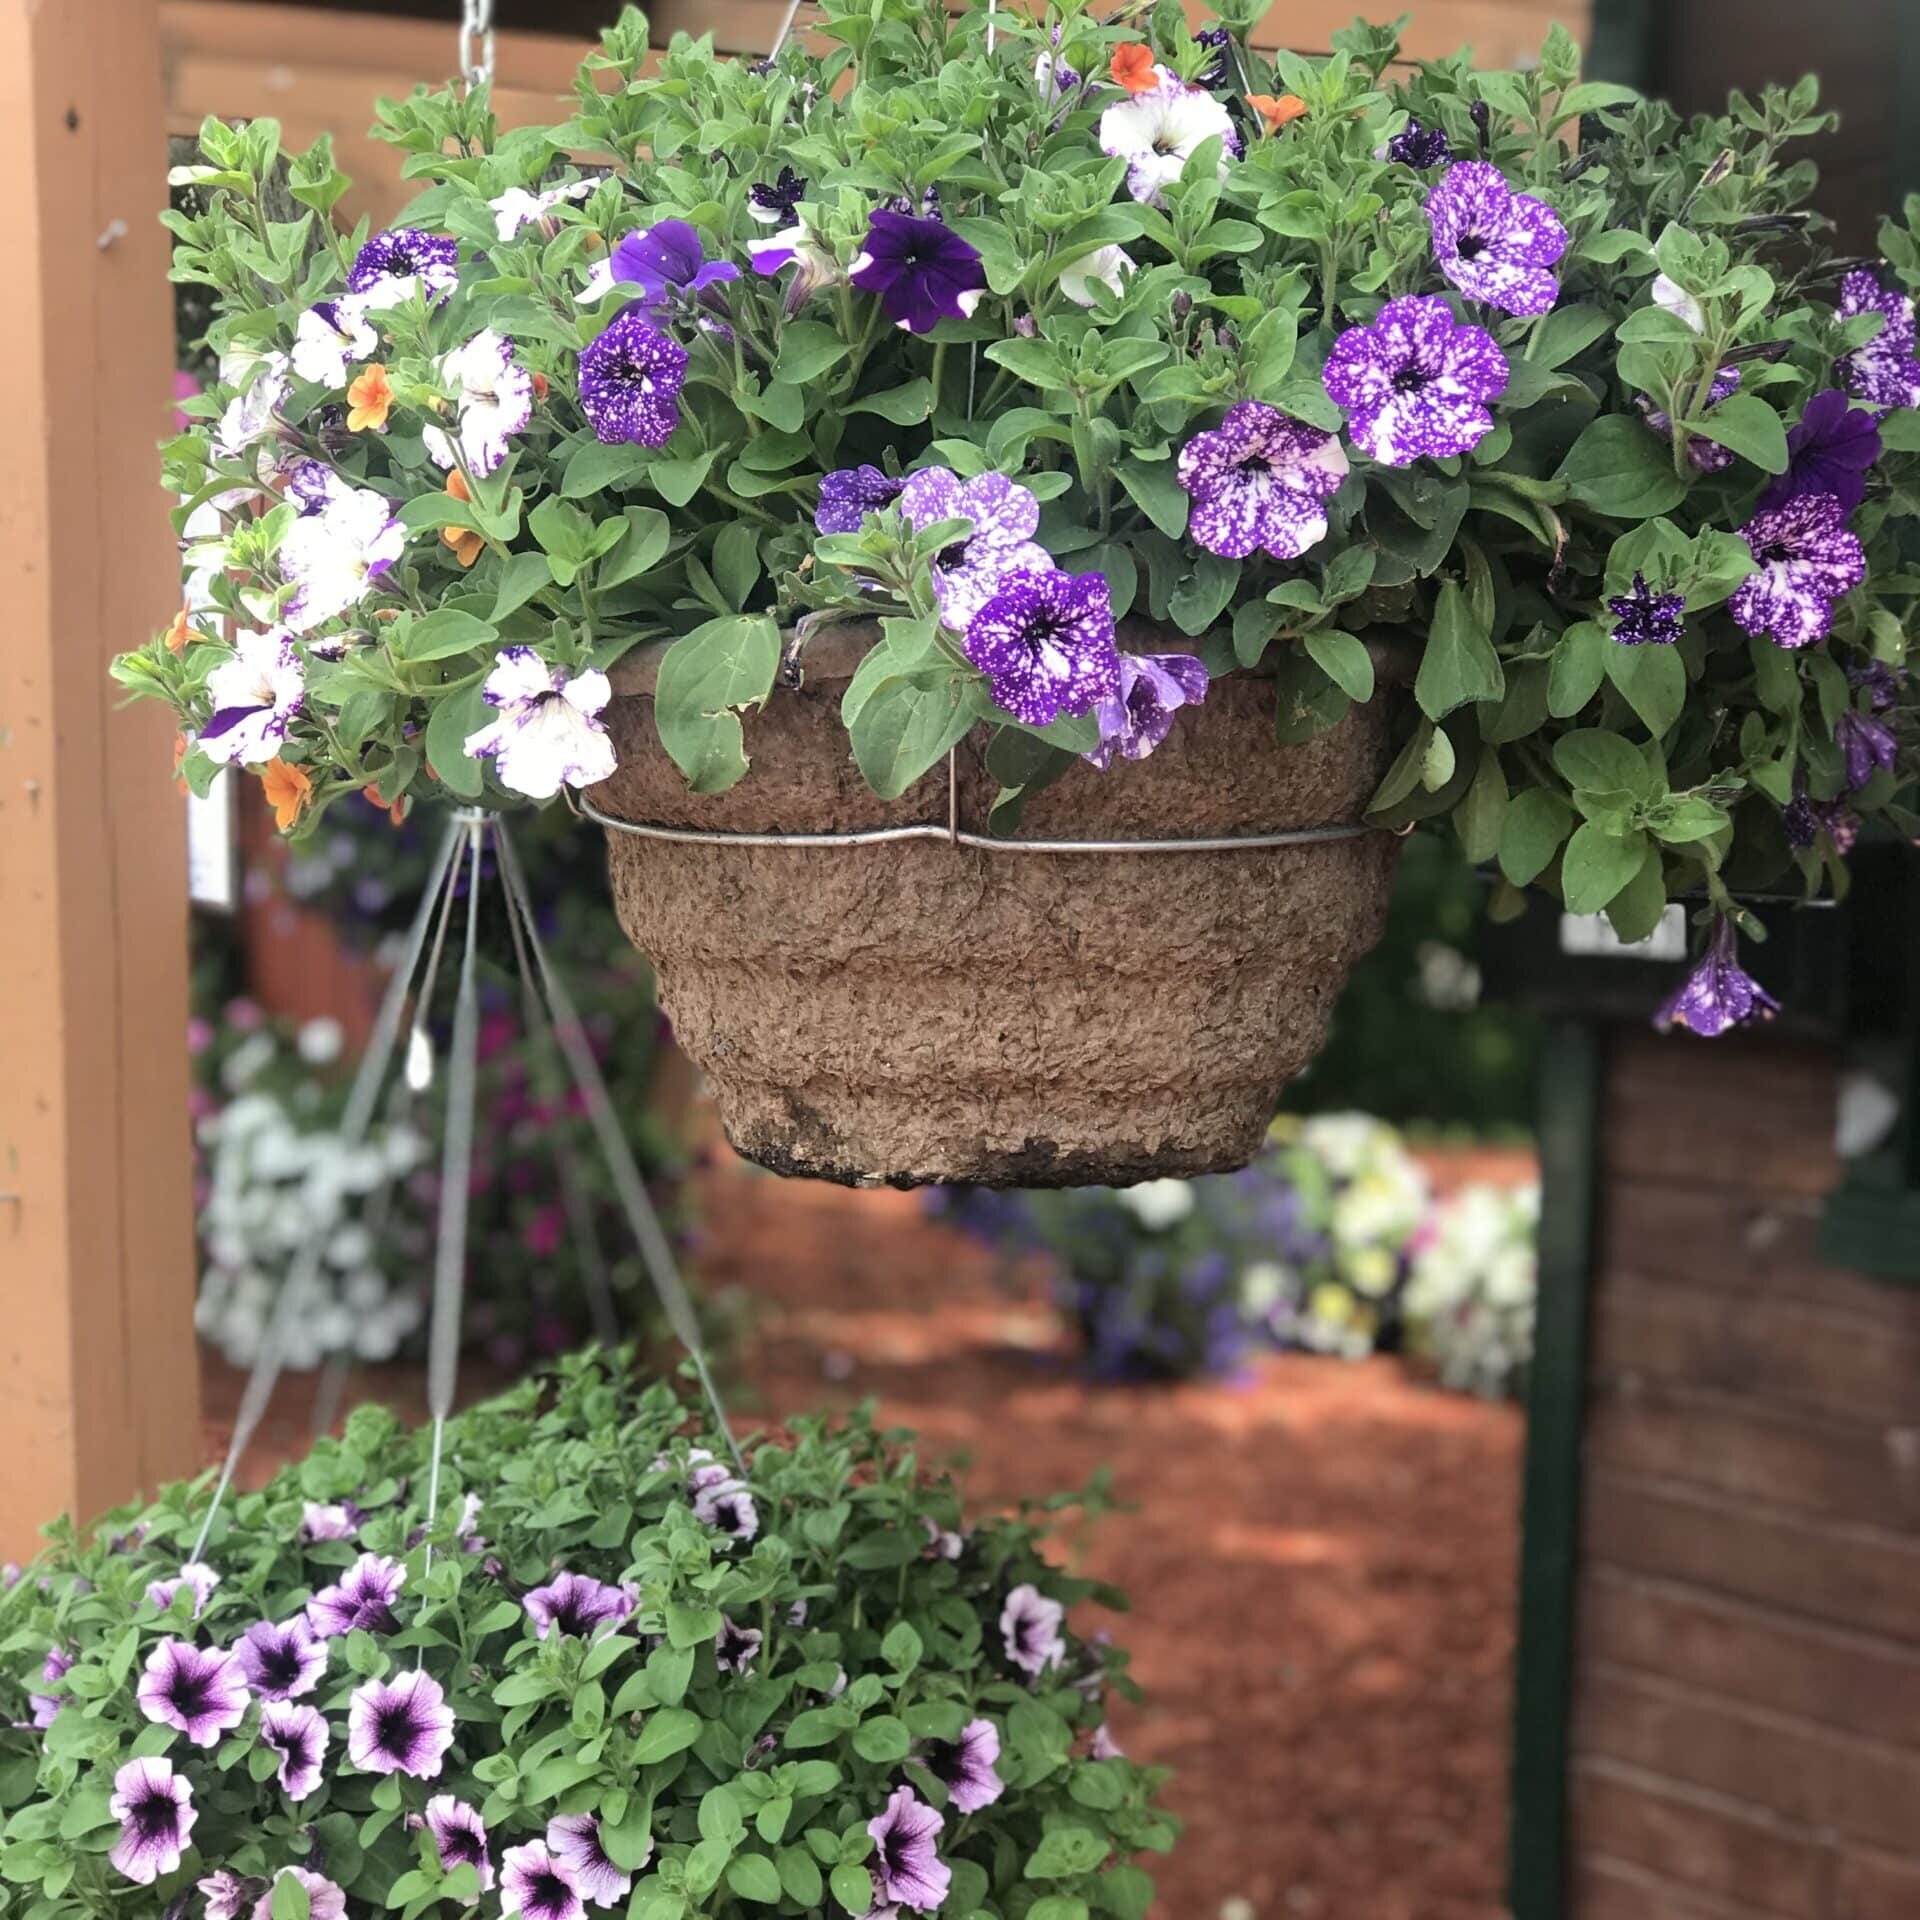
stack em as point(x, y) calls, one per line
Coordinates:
point(1747, 1737)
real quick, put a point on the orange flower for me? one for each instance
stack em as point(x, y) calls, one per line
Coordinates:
point(539, 386)
point(180, 745)
point(369, 399)
point(1133, 68)
point(1277, 113)
point(466, 544)
point(288, 791)
point(397, 813)
point(181, 631)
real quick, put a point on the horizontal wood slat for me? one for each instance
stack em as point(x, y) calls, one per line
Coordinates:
point(1607, 1889)
point(1877, 1886)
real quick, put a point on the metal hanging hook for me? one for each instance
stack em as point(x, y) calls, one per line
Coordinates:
point(476, 42)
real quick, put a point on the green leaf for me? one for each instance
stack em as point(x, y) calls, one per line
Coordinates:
point(882, 1740)
point(1344, 659)
point(689, 1626)
point(638, 551)
point(754, 1877)
point(444, 632)
point(1154, 487)
point(667, 1731)
point(1057, 1906)
point(1746, 424)
point(1066, 1853)
point(707, 679)
point(679, 479)
point(1652, 679)
point(1568, 331)
point(778, 404)
point(1100, 1784)
point(1579, 666)
point(455, 716)
point(1683, 818)
point(1346, 576)
point(1619, 468)
point(1481, 816)
point(1459, 665)
point(1598, 864)
point(808, 350)
point(908, 721)
point(799, 1876)
point(905, 406)
point(1536, 823)
point(1202, 596)
point(594, 468)
point(902, 1647)
point(289, 1899)
point(1594, 761)
point(520, 579)
point(1636, 909)
point(853, 1887)
point(669, 1668)
point(736, 561)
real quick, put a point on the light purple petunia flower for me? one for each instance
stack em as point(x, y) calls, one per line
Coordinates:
point(850, 494)
point(325, 1900)
point(281, 1659)
point(1643, 616)
point(299, 1735)
point(459, 1836)
point(669, 264)
point(907, 1868)
point(340, 1522)
point(573, 1839)
point(53, 1669)
point(1415, 384)
point(921, 270)
point(1260, 480)
point(965, 1767)
point(363, 1597)
point(735, 1648)
point(1719, 993)
point(493, 399)
point(255, 696)
point(578, 1605)
point(1883, 372)
point(549, 733)
point(154, 1806)
point(1045, 642)
point(388, 268)
point(1005, 515)
point(1139, 716)
point(728, 1508)
point(1704, 455)
point(630, 380)
point(1808, 560)
point(401, 1725)
point(1829, 451)
point(534, 1883)
point(1030, 1630)
point(1865, 745)
point(1105, 1746)
point(942, 1543)
point(1492, 243)
point(228, 1894)
point(200, 1691)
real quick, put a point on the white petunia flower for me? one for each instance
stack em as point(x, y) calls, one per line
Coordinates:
point(548, 734)
point(494, 395)
point(330, 336)
point(332, 557)
point(255, 696)
point(252, 415)
point(1157, 1203)
point(1673, 298)
point(1104, 269)
point(1158, 132)
point(598, 284)
point(514, 208)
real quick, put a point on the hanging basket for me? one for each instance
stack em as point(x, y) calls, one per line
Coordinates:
point(921, 1010)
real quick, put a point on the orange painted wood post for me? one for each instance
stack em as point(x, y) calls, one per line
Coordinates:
point(99, 1382)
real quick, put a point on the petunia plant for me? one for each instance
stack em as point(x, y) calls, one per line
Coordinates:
point(612, 1668)
point(1094, 358)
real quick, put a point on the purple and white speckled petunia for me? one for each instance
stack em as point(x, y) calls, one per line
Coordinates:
point(392, 264)
point(1706, 456)
point(573, 1839)
point(200, 1691)
point(362, 1597)
point(401, 1725)
point(578, 1605)
point(1642, 616)
point(548, 733)
point(299, 1735)
point(1883, 372)
point(1866, 745)
point(1808, 560)
point(1030, 1630)
point(907, 1868)
point(281, 1660)
point(255, 697)
point(459, 1836)
point(1415, 384)
point(1261, 480)
point(630, 381)
point(967, 574)
point(1492, 243)
point(1719, 993)
point(1045, 642)
point(493, 398)
point(1139, 716)
point(154, 1806)
point(848, 495)
point(965, 1767)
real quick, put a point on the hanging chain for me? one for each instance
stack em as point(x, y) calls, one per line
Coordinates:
point(476, 42)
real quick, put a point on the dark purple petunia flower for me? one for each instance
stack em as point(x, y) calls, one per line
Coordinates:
point(198, 1690)
point(965, 1767)
point(1260, 480)
point(1139, 716)
point(534, 1883)
point(1828, 452)
point(578, 1605)
point(53, 1669)
point(297, 1733)
point(630, 380)
point(1882, 683)
point(849, 495)
point(391, 263)
point(1005, 516)
point(574, 1841)
point(154, 1806)
point(281, 1661)
point(1704, 455)
point(1415, 384)
point(735, 1648)
point(669, 264)
point(459, 1836)
point(1417, 146)
point(922, 271)
point(1866, 745)
point(402, 1725)
point(1719, 993)
point(907, 1868)
point(1643, 617)
point(1803, 821)
point(779, 204)
point(1217, 72)
point(1883, 372)
point(1808, 561)
point(1045, 642)
point(363, 1597)
point(1030, 1630)
point(1492, 243)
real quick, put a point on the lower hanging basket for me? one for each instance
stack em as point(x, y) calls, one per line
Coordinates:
point(917, 1011)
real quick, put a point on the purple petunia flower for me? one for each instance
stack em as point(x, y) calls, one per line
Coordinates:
point(965, 1766)
point(1865, 745)
point(967, 574)
point(459, 1836)
point(53, 1669)
point(849, 495)
point(1883, 372)
point(630, 380)
point(281, 1661)
point(1881, 682)
point(340, 1522)
point(402, 1725)
point(778, 205)
point(1105, 1746)
point(388, 268)
point(228, 1894)
point(1216, 72)
point(363, 1597)
point(534, 1883)
point(1828, 452)
point(297, 1733)
point(1139, 716)
point(1719, 993)
point(574, 1841)
point(1030, 1630)
point(922, 271)
point(325, 1900)
point(1417, 146)
point(195, 1575)
point(727, 1507)
point(578, 1605)
point(1260, 480)
point(313, 487)
point(200, 1691)
point(1705, 456)
point(1808, 560)
point(1045, 642)
point(669, 265)
point(1643, 617)
point(1803, 821)
point(1415, 384)
point(1492, 243)
point(907, 1868)
point(735, 1648)
point(942, 1542)
point(154, 1806)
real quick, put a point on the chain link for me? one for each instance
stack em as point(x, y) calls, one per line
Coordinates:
point(476, 42)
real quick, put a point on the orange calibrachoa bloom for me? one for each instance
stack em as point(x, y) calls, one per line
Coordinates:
point(369, 399)
point(1133, 68)
point(397, 813)
point(466, 544)
point(181, 742)
point(1278, 111)
point(288, 791)
point(539, 386)
point(182, 631)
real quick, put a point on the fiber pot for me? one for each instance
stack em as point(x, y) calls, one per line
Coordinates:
point(914, 1012)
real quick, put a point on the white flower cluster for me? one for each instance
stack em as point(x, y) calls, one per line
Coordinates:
point(1471, 1294)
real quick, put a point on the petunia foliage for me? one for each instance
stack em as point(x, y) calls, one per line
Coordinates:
point(1005, 326)
point(611, 1669)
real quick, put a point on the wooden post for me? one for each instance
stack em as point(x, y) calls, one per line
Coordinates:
point(98, 1376)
